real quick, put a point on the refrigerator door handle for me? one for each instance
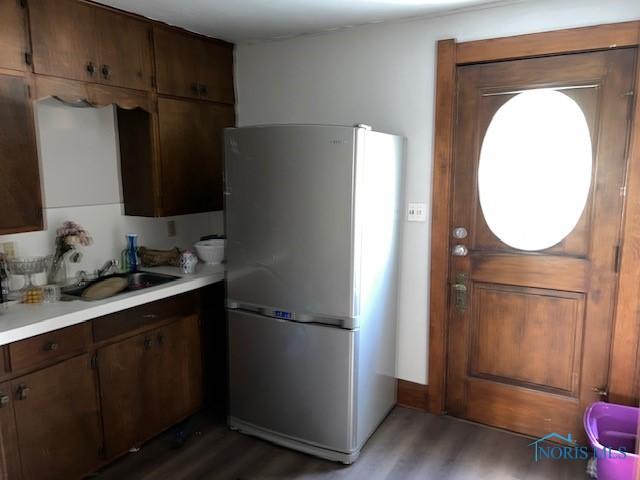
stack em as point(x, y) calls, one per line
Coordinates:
point(350, 323)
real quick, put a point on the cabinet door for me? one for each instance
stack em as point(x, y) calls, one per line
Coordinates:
point(9, 459)
point(177, 59)
point(191, 154)
point(63, 39)
point(20, 195)
point(57, 418)
point(129, 381)
point(180, 369)
point(124, 50)
point(215, 72)
point(149, 382)
point(13, 40)
point(190, 66)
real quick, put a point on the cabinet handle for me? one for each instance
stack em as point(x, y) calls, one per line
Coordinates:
point(4, 400)
point(51, 347)
point(106, 71)
point(150, 315)
point(91, 68)
point(202, 90)
point(195, 89)
point(147, 343)
point(160, 339)
point(23, 392)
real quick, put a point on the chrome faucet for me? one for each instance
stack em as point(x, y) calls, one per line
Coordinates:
point(111, 266)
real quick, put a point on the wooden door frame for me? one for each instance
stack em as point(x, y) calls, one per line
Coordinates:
point(626, 333)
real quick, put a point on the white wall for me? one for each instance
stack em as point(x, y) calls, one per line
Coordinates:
point(384, 75)
point(80, 165)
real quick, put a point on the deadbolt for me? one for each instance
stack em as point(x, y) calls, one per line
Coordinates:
point(460, 232)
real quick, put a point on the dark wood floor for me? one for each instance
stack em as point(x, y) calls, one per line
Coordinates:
point(408, 445)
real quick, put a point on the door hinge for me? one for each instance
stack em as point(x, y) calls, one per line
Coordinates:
point(617, 259)
point(153, 81)
point(94, 361)
point(630, 93)
point(28, 88)
point(28, 58)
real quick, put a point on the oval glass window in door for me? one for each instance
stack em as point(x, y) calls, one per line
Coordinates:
point(535, 168)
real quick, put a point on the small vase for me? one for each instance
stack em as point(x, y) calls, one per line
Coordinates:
point(57, 273)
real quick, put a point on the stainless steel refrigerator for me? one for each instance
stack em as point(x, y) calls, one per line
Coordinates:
point(312, 221)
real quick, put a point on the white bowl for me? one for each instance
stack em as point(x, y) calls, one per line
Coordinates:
point(211, 252)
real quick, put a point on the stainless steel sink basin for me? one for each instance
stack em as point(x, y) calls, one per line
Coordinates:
point(136, 281)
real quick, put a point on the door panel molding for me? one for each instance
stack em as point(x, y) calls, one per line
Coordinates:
point(625, 346)
point(533, 271)
point(509, 314)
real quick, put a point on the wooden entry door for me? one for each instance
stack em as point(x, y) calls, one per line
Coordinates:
point(530, 328)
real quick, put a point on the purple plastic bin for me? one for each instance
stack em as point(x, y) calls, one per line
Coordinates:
point(611, 427)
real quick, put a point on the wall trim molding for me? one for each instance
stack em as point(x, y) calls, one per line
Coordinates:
point(413, 395)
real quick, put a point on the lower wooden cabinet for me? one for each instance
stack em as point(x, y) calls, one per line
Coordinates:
point(149, 382)
point(108, 385)
point(58, 422)
point(180, 370)
point(9, 459)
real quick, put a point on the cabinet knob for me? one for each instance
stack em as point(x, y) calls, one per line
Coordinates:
point(106, 71)
point(4, 400)
point(195, 88)
point(202, 90)
point(160, 339)
point(51, 347)
point(91, 68)
point(23, 392)
point(147, 343)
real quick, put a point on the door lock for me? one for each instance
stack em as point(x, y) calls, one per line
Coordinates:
point(460, 292)
point(460, 251)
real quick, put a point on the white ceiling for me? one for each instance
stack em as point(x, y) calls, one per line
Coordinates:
point(259, 20)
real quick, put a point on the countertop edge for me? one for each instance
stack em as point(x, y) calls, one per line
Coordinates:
point(116, 304)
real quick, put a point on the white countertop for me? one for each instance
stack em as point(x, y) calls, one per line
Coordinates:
point(20, 321)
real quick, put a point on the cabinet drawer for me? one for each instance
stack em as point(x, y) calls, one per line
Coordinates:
point(145, 316)
point(49, 346)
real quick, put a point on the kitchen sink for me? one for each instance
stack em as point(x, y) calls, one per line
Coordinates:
point(136, 281)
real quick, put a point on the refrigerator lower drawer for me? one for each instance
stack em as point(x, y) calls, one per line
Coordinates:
point(294, 379)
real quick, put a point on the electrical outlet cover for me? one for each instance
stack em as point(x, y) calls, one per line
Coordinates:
point(9, 249)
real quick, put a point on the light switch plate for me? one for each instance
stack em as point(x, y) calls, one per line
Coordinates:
point(417, 212)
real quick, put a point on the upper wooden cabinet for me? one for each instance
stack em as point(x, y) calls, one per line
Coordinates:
point(20, 194)
point(82, 42)
point(13, 37)
point(191, 154)
point(124, 50)
point(191, 66)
